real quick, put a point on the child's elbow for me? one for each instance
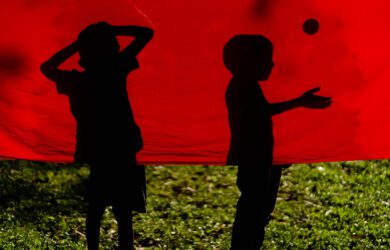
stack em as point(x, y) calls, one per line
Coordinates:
point(44, 68)
point(149, 33)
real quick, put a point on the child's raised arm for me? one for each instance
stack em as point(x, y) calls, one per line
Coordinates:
point(50, 67)
point(307, 100)
point(142, 35)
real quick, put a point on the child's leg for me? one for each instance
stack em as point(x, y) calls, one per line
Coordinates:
point(248, 228)
point(123, 215)
point(274, 181)
point(252, 210)
point(94, 217)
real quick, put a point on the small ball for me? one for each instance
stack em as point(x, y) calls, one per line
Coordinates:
point(311, 26)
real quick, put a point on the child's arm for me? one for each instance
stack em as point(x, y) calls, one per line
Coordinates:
point(50, 67)
point(142, 36)
point(307, 100)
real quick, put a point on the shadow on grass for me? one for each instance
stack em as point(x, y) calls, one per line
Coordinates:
point(39, 193)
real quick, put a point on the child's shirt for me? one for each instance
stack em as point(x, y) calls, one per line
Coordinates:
point(99, 102)
point(250, 124)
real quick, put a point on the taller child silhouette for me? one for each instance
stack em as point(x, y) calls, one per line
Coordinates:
point(107, 136)
point(249, 59)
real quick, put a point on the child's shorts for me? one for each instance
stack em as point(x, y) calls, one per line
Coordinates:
point(118, 184)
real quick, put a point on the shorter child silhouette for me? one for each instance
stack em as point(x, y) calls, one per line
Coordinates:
point(249, 59)
point(107, 136)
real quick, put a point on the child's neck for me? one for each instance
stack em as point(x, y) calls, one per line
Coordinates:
point(245, 78)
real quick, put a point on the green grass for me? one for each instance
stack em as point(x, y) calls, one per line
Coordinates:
point(320, 206)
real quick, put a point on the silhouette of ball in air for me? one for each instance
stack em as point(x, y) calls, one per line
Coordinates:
point(311, 26)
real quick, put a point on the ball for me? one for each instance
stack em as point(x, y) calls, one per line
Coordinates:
point(311, 26)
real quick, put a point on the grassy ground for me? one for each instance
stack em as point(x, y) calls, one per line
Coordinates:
point(321, 206)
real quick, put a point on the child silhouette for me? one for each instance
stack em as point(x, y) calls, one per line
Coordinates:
point(249, 59)
point(107, 135)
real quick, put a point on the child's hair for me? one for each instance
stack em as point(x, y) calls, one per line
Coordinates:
point(97, 46)
point(241, 51)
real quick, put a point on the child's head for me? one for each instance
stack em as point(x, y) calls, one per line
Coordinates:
point(249, 56)
point(98, 47)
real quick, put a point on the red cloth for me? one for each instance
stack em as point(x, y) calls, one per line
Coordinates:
point(178, 92)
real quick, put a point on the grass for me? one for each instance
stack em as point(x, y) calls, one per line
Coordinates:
point(320, 206)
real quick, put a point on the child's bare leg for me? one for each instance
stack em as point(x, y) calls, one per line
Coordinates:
point(274, 182)
point(251, 214)
point(249, 224)
point(123, 215)
point(94, 217)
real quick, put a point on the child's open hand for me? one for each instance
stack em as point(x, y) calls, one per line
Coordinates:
point(312, 101)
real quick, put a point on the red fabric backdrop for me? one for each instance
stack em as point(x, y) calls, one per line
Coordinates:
point(178, 92)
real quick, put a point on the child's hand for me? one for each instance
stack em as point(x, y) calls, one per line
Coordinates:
point(312, 101)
